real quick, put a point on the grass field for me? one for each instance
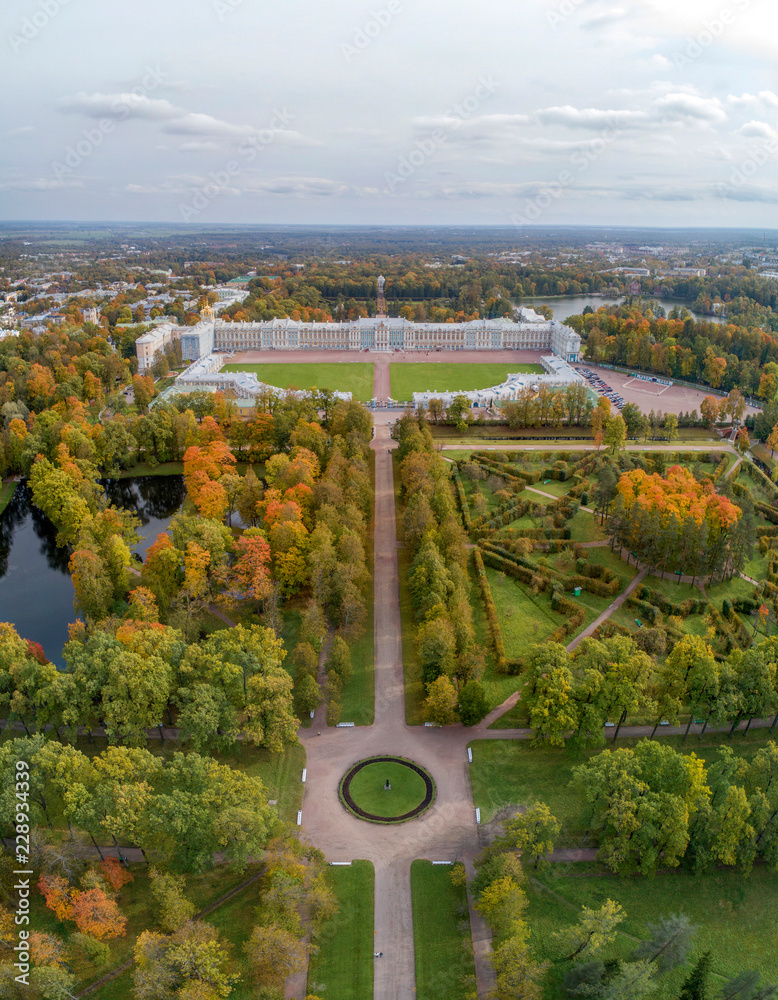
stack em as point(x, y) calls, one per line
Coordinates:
point(355, 377)
point(524, 618)
point(511, 772)
point(736, 918)
point(343, 966)
point(441, 934)
point(7, 491)
point(449, 376)
point(407, 789)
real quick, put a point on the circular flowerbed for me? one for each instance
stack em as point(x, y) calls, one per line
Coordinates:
point(387, 790)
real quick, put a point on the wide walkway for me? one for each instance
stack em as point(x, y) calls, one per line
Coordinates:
point(448, 831)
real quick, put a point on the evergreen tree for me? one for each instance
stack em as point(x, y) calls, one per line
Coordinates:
point(695, 986)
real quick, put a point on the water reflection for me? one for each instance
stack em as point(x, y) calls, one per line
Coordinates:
point(36, 593)
point(155, 499)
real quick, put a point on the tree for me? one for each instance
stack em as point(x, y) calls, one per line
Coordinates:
point(548, 694)
point(472, 705)
point(339, 660)
point(745, 986)
point(502, 903)
point(143, 390)
point(250, 571)
point(669, 944)
point(615, 434)
point(632, 981)
point(595, 929)
point(308, 694)
point(696, 986)
point(274, 954)
point(709, 409)
point(440, 703)
point(772, 440)
point(436, 647)
point(671, 426)
point(173, 908)
point(249, 498)
point(191, 965)
point(97, 914)
point(518, 974)
point(532, 832)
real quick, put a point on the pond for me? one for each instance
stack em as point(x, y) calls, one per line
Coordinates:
point(574, 305)
point(36, 594)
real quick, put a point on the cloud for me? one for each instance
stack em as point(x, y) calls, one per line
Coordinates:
point(757, 130)
point(119, 105)
point(764, 99)
point(39, 184)
point(23, 130)
point(682, 106)
point(596, 118)
point(174, 120)
point(197, 146)
point(299, 187)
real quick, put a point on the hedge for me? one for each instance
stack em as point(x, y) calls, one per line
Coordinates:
point(491, 611)
point(462, 498)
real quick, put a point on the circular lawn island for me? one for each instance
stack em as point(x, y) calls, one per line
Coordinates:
point(387, 790)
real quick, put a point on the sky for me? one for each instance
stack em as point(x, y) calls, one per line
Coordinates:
point(501, 112)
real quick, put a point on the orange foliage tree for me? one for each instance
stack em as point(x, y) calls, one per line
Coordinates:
point(678, 522)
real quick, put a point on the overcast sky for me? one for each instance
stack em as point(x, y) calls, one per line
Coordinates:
point(652, 112)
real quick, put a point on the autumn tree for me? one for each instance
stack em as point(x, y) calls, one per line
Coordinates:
point(441, 701)
point(594, 930)
point(173, 908)
point(532, 832)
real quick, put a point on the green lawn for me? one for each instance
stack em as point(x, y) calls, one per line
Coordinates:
point(355, 377)
point(525, 618)
point(407, 789)
point(449, 377)
point(736, 919)
point(511, 772)
point(342, 968)
point(585, 527)
point(441, 934)
point(7, 491)
point(551, 487)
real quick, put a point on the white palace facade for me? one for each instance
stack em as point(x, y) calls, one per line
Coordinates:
point(528, 332)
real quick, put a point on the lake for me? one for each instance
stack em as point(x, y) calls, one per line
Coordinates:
point(36, 594)
point(574, 305)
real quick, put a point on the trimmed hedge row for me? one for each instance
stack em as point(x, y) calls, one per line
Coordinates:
point(691, 606)
point(760, 478)
point(462, 498)
point(766, 509)
point(495, 632)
